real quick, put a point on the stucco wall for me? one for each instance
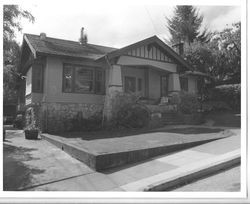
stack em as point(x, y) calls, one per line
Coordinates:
point(53, 84)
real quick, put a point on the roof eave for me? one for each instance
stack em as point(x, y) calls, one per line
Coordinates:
point(154, 38)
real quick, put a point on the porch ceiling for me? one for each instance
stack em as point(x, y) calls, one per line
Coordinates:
point(134, 61)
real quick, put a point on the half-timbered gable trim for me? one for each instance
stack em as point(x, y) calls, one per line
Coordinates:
point(154, 49)
point(152, 52)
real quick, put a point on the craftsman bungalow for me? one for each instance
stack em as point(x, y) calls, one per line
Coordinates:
point(63, 78)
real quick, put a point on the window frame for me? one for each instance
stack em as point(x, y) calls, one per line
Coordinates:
point(34, 69)
point(94, 69)
point(129, 77)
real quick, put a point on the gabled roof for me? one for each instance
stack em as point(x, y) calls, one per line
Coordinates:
point(59, 47)
point(53, 46)
point(153, 39)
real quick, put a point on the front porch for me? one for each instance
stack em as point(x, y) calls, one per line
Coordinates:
point(152, 82)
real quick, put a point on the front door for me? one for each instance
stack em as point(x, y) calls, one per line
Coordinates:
point(164, 85)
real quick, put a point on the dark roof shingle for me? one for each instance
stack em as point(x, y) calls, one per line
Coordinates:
point(53, 46)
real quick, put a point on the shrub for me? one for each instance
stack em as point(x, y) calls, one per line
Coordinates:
point(120, 100)
point(33, 118)
point(126, 112)
point(209, 106)
point(19, 121)
point(78, 123)
point(174, 98)
point(230, 94)
point(189, 103)
point(135, 116)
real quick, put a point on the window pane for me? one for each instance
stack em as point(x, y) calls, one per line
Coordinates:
point(129, 84)
point(37, 72)
point(67, 78)
point(83, 80)
point(139, 84)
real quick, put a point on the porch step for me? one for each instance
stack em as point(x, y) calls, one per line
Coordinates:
point(171, 119)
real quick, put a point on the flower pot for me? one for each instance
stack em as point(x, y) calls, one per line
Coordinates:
point(31, 134)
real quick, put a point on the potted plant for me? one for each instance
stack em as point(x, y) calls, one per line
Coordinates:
point(31, 132)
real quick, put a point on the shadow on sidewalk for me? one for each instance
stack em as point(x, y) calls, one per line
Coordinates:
point(17, 174)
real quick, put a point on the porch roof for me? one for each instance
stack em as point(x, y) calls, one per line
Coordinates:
point(153, 39)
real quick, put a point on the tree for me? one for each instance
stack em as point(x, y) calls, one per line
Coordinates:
point(185, 25)
point(220, 57)
point(11, 55)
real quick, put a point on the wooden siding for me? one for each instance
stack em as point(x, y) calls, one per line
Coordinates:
point(150, 52)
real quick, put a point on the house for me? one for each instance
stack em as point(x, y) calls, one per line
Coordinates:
point(64, 78)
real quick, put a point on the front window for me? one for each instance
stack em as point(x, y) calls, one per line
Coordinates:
point(83, 79)
point(37, 78)
point(130, 84)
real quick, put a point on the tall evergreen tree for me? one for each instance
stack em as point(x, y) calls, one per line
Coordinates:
point(185, 25)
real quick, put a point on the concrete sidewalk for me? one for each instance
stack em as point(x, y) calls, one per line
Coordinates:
point(60, 172)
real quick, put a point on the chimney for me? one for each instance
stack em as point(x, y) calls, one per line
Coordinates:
point(42, 36)
point(83, 37)
point(179, 48)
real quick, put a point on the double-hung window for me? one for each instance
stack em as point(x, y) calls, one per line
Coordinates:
point(37, 78)
point(83, 79)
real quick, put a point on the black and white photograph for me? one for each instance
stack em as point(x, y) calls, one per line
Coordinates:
point(115, 99)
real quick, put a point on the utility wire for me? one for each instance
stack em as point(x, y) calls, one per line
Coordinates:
point(155, 29)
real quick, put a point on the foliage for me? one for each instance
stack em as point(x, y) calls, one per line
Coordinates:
point(220, 57)
point(121, 100)
point(11, 50)
point(11, 22)
point(32, 118)
point(78, 123)
point(135, 116)
point(215, 105)
point(185, 25)
point(189, 103)
point(126, 112)
point(19, 121)
point(174, 98)
point(230, 94)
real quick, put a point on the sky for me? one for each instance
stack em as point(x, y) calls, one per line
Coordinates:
point(114, 25)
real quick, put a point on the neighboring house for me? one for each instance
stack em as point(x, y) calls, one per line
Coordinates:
point(65, 78)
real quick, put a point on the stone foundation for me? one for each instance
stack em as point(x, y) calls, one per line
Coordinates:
point(57, 117)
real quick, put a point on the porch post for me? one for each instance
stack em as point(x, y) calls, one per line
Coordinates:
point(114, 85)
point(174, 82)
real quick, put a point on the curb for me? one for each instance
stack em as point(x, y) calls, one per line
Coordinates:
point(169, 180)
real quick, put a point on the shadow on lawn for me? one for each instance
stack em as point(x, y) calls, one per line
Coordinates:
point(104, 134)
point(16, 174)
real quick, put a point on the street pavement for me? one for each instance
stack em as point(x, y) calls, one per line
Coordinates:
point(37, 165)
point(227, 181)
